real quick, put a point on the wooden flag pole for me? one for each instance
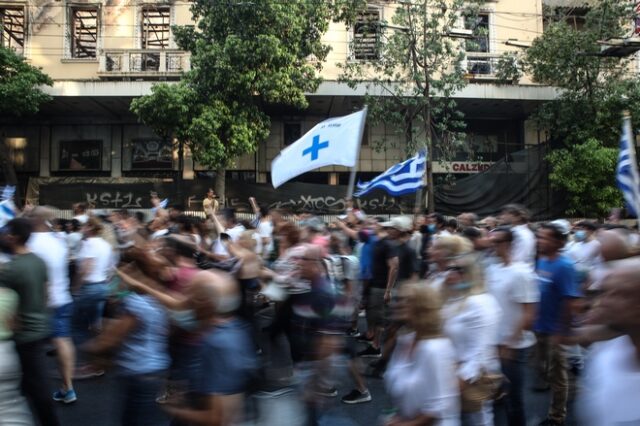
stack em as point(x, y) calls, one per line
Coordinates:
point(352, 176)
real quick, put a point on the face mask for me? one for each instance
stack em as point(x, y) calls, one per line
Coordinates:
point(461, 286)
point(580, 235)
point(186, 320)
point(432, 227)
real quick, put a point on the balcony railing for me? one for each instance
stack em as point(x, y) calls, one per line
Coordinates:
point(141, 63)
point(482, 66)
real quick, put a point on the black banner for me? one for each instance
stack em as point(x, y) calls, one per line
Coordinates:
point(292, 197)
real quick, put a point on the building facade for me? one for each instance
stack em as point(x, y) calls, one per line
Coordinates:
point(102, 54)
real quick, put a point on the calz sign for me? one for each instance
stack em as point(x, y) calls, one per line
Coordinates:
point(466, 167)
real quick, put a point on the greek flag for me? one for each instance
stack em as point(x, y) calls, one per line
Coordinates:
point(400, 179)
point(627, 169)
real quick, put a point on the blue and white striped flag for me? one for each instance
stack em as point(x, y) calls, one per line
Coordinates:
point(400, 179)
point(627, 170)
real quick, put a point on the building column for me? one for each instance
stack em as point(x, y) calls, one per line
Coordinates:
point(45, 151)
point(116, 150)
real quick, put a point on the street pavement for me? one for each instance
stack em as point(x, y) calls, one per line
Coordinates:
point(97, 406)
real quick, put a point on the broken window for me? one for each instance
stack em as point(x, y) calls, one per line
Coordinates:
point(156, 27)
point(84, 32)
point(12, 28)
point(366, 32)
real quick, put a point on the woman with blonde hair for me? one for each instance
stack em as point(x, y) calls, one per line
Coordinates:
point(471, 317)
point(421, 375)
point(444, 249)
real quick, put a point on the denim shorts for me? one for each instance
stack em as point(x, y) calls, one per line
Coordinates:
point(61, 321)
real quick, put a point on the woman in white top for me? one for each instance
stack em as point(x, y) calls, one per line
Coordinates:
point(421, 375)
point(471, 319)
point(95, 267)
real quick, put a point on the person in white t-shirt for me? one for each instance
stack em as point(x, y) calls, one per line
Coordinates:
point(612, 377)
point(229, 226)
point(265, 230)
point(471, 321)
point(95, 267)
point(50, 248)
point(585, 249)
point(421, 375)
point(523, 248)
point(514, 287)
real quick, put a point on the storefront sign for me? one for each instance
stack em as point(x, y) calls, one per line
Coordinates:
point(461, 166)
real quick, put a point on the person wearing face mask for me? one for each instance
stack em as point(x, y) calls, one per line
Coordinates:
point(585, 250)
point(471, 320)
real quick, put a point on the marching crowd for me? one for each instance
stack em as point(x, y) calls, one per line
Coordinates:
point(190, 315)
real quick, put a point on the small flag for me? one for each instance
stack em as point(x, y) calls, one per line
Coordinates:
point(402, 178)
point(8, 192)
point(335, 141)
point(627, 169)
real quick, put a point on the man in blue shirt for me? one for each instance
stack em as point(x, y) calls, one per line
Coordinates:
point(558, 290)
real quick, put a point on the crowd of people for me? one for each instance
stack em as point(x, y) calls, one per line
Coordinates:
point(193, 315)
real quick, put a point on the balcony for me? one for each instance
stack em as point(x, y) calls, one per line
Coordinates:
point(143, 64)
point(482, 66)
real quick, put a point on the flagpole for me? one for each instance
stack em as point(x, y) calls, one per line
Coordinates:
point(352, 176)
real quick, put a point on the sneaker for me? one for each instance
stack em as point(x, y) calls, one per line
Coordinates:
point(370, 352)
point(353, 332)
point(356, 397)
point(67, 397)
point(327, 392)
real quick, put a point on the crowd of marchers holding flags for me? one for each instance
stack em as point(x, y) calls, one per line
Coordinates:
point(190, 315)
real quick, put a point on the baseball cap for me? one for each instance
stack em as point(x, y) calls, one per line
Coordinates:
point(401, 223)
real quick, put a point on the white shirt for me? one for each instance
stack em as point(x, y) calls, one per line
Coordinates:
point(472, 325)
point(99, 252)
point(512, 286)
point(265, 229)
point(234, 233)
point(82, 218)
point(74, 243)
point(611, 390)
point(584, 253)
point(159, 234)
point(424, 382)
point(523, 248)
point(48, 247)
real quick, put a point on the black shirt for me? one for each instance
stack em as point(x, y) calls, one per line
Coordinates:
point(383, 250)
point(407, 261)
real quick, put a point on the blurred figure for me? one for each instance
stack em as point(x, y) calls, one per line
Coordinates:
point(466, 220)
point(489, 222)
point(53, 251)
point(558, 290)
point(26, 274)
point(515, 289)
point(138, 338)
point(471, 320)
point(13, 407)
point(436, 224)
point(227, 356)
point(612, 377)
point(524, 241)
point(95, 265)
point(421, 375)
point(210, 204)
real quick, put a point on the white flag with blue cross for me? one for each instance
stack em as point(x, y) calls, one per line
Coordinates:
point(333, 142)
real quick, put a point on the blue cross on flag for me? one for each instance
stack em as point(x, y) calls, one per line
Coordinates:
point(335, 141)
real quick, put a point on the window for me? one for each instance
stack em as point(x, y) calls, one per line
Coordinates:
point(156, 27)
point(365, 45)
point(480, 27)
point(151, 154)
point(12, 28)
point(84, 32)
point(479, 45)
point(291, 133)
point(80, 155)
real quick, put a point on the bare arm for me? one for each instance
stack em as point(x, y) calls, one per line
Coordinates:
point(172, 302)
point(113, 335)
point(351, 233)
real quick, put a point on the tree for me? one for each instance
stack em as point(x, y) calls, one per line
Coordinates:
point(246, 57)
point(20, 94)
point(594, 90)
point(411, 80)
point(585, 172)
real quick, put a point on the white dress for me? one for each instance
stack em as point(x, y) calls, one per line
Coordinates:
point(425, 381)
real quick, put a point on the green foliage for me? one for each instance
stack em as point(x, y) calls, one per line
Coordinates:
point(245, 56)
point(508, 69)
point(20, 83)
point(593, 90)
point(587, 173)
point(410, 88)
